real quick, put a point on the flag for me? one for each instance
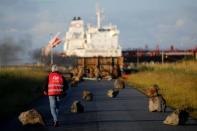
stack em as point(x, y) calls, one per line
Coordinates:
point(54, 41)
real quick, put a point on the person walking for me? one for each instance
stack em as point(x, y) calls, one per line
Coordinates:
point(55, 86)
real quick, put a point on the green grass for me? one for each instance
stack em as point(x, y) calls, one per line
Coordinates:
point(18, 87)
point(177, 83)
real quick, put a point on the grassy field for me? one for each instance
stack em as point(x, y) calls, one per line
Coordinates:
point(177, 82)
point(19, 86)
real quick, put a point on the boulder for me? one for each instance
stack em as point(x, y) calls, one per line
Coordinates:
point(77, 107)
point(119, 84)
point(31, 117)
point(152, 91)
point(87, 95)
point(178, 117)
point(112, 93)
point(157, 104)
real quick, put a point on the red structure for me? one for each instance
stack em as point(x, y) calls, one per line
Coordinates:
point(157, 55)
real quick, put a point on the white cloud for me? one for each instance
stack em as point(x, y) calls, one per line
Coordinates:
point(180, 23)
point(139, 22)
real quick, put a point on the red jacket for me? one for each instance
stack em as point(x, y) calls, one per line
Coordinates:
point(55, 84)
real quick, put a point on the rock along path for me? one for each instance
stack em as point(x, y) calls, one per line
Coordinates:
point(127, 112)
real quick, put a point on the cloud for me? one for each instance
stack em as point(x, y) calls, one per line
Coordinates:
point(180, 23)
point(140, 22)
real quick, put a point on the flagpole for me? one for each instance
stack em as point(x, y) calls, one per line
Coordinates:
point(51, 55)
point(54, 41)
point(51, 50)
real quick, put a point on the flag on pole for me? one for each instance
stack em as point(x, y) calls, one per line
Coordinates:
point(52, 43)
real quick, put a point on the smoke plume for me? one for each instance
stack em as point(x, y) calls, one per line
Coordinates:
point(13, 51)
point(58, 58)
point(19, 51)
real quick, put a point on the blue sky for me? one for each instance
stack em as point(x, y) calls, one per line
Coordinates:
point(141, 22)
